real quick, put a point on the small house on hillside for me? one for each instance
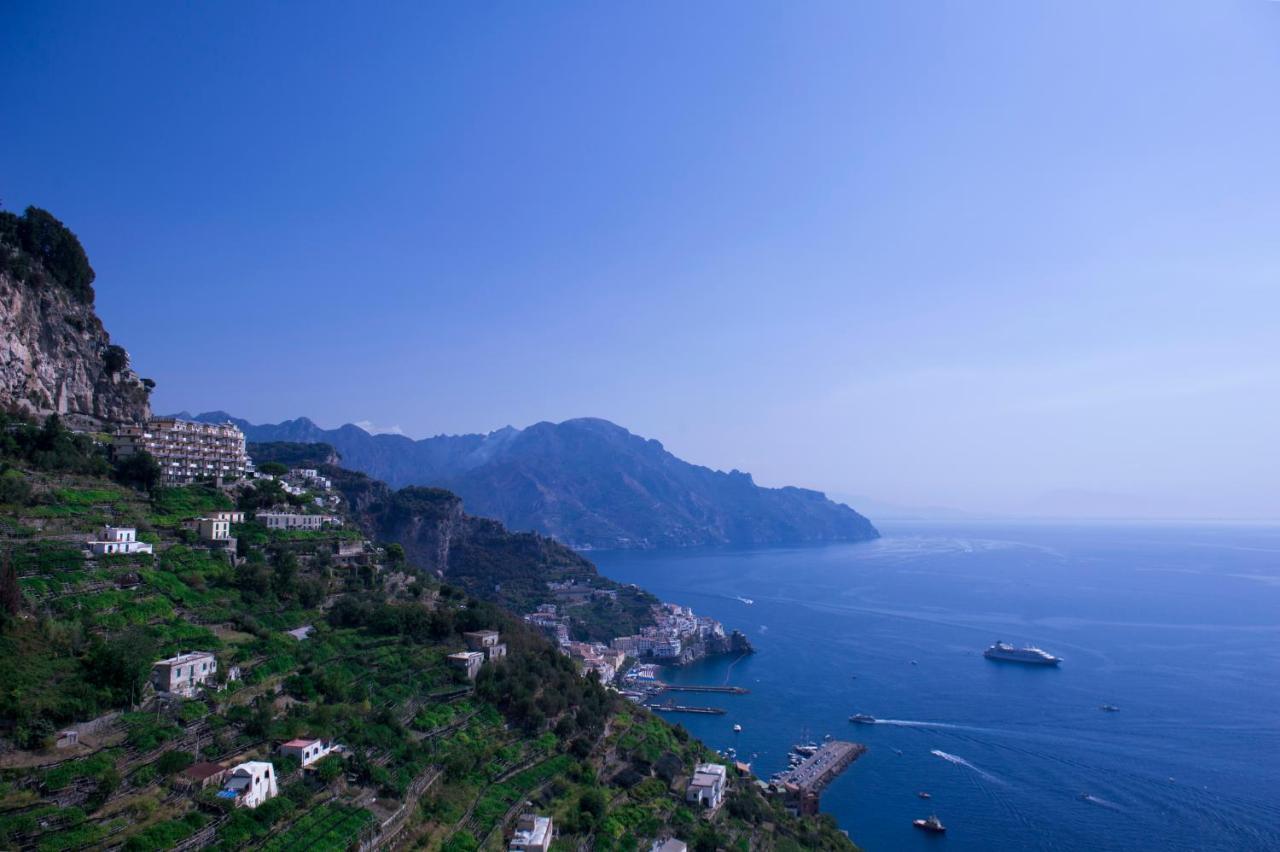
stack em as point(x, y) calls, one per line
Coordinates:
point(202, 775)
point(119, 540)
point(306, 751)
point(468, 661)
point(707, 786)
point(250, 784)
point(533, 834)
point(184, 674)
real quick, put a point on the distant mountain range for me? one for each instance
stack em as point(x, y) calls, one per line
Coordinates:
point(587, 482)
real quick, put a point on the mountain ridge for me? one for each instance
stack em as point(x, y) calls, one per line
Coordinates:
point(587, 482)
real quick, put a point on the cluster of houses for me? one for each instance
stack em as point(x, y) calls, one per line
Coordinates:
point(250, 783)
point(675, 629)
point(482, 646)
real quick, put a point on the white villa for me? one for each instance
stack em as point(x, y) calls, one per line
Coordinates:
point(707, 785)
point(307, 751)
point(250, 784)
point(113, 540)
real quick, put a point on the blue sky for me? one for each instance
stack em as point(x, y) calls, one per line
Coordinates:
point(962, 253)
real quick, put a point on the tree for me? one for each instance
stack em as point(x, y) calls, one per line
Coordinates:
point(140, 470)
point(121, 665)
point(273, 468)
point(115, 359)
point(10, 591)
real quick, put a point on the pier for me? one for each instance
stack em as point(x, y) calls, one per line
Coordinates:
point(672, 707)
point(805, 782)
point(727, 690)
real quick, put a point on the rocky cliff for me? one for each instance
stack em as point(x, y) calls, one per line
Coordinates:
point(55, 354)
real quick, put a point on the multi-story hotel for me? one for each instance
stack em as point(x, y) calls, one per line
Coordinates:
point(187, 451)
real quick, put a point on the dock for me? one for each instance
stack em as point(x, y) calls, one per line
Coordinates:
point(672, 707)
point(808, 779)
point(678, 687)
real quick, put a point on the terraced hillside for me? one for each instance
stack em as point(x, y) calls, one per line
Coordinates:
point(91, 756)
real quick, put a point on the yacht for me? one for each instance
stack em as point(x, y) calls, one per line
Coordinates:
point(862, 719)
point(1029, 654)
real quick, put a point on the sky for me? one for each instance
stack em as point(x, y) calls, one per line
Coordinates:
point(972, 253)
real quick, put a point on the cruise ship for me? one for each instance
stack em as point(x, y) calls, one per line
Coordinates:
point(1032, 655)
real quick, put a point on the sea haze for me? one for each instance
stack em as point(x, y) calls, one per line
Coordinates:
point(1179, 626)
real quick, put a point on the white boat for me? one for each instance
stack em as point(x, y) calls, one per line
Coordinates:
point(737, 729)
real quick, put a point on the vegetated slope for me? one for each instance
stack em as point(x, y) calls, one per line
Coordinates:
point(589, 483)
point(55, 355)
point(432, 760)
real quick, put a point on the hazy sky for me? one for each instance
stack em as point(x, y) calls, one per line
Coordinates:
point(960, 253)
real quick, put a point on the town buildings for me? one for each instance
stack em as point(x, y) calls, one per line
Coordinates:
point(307, 751)
point(119, 540)
point(294, 521)
point(250, 784)
point(184, 674)
point(187, 451)
point(533, 834)
point(707, 786)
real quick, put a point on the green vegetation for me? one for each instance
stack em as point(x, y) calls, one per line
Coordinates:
point(42, 242)
point(372, 674)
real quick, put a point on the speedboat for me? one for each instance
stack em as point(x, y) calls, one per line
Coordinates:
point(862, 719)
point(737, 729)
point(931, 823)
point(1109, 708)
point(922, 794)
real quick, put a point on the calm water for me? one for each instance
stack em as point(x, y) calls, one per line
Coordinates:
point(1179, 626)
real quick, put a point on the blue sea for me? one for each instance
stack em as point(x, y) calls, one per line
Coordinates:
point(1179, 626)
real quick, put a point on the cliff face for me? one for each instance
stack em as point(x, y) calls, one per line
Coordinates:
point(476, 553)
point(55, 354)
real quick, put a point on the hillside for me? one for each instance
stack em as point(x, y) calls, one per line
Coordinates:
point(55, 355)
point(429, 760)
point(587, 483)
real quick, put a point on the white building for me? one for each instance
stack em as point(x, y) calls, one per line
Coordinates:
point(469, 661)
point(293, 521)
point(213, 529)
point(307, 751)
point(533, 834)
point(186, 451)
point(487, 642)
point(184, 674)
point(114, 540)
point(707, 786)
point(250, 784)
point(233, 516)
point(669, 845)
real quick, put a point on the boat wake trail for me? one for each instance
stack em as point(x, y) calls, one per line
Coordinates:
point(1103, 803)
point(960, 761)
point(910, 723)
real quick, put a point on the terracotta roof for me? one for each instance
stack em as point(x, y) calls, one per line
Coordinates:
point(201, 771)
point(299, 743)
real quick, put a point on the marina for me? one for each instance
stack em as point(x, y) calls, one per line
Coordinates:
point(820, 768)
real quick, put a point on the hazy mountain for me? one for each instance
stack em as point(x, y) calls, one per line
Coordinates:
point(587, 482)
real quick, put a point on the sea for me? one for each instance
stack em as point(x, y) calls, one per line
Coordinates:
point(1177, 625)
